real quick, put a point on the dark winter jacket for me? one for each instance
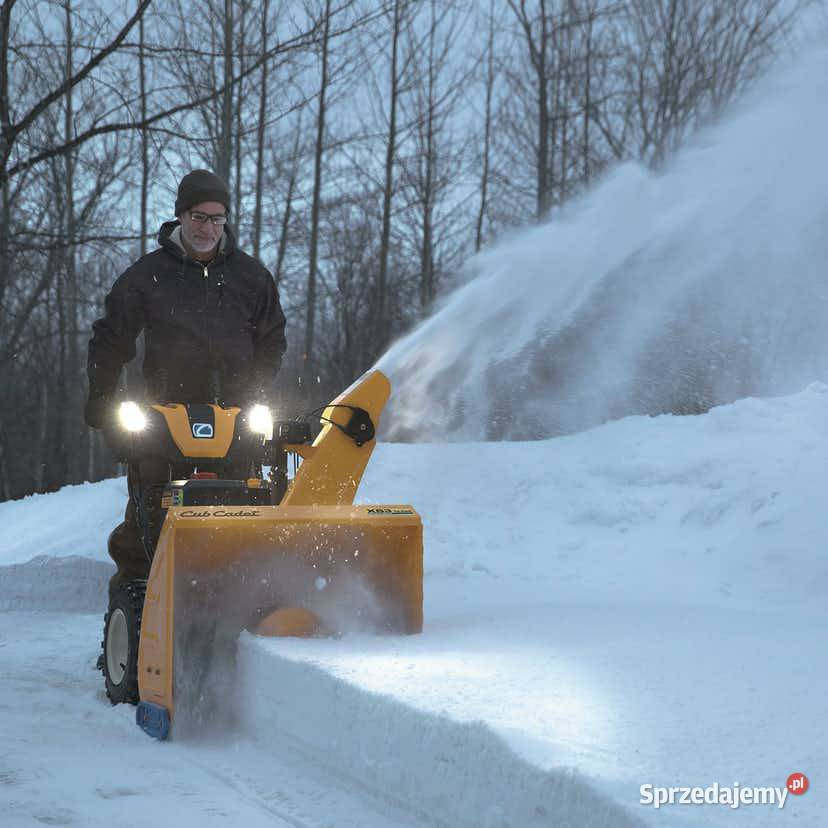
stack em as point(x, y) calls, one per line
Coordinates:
point(213, 331)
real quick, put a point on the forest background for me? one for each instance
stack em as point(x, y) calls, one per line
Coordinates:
point(371, 147)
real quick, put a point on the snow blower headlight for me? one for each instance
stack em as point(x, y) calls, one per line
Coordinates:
point(260, 420)
point(131, 417)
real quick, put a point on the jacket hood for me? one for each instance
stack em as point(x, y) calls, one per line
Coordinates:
point(169, 237)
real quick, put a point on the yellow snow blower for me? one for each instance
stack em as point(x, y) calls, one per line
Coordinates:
point(273, 555)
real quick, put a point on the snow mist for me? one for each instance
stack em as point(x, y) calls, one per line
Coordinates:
point(654, 293)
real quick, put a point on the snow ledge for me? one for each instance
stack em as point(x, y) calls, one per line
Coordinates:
point(459, 774)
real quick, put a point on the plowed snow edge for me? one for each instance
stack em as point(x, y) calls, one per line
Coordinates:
point(455, 773)
point(462, 774)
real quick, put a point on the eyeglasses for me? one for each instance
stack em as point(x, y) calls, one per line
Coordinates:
point(203, 218)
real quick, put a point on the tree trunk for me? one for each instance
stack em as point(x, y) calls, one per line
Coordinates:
point(426, 251)
point(142, 80)
point(237, 185)
point(285, 229)
point(226, 131)
point(309, 369)
point(5, 485)
point(260, 140)
point(561, 111)
point(92, 456)
point(41, 458)
point(382, 323)
point(544, 167)
point(487, 132)
point(585, 147)
point(71, 407)
point(538, 47)
point(60, 464)
point(5, 148)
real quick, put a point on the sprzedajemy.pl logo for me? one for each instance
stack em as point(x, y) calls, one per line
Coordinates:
point(731, 796)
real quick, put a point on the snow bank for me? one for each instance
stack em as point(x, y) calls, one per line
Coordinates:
point(640, 603)
point(717, 509)
point(458, 772)
point(53, 547)
point(63, 584)
point(75, 521)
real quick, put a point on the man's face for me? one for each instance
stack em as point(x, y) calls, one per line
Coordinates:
point(202, 235)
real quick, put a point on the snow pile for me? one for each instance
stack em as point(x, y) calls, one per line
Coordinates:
point(76, 520)
point(656, 292)
point(628, 602)
point(53, 547)
point(461, 772)
point(712, 509)
point(68, 583)
point(640, 603)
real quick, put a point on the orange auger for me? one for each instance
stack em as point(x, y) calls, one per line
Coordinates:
point(314, 564)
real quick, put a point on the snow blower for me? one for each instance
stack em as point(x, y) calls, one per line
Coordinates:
point(275, 555)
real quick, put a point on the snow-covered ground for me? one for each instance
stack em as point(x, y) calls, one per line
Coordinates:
point(642, 603)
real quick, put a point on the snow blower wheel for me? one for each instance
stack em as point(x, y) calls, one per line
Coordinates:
point(122, 629)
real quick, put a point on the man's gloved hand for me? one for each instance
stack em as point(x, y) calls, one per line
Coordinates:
point(99, 411)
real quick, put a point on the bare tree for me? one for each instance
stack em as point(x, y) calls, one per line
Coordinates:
point(261, 130)
point(145, 166)
point(686, 59)
point(394, 83)
point(537, 28)
point(485, 160)
point(69, 364)
point(224, 149)
point(351, 247)
point(433, 160)
point(319, 149)
point(289, 197)
point(5, 131)
point(5, 482)
point(13, 129)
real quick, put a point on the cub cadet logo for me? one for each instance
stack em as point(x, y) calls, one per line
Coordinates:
point(202, 431)
point(376, 511)
point(221, 513)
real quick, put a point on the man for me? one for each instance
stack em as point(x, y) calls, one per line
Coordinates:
point(213, 332)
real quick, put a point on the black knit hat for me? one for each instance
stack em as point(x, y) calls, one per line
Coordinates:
point(198, 186)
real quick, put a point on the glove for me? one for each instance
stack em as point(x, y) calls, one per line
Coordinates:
point(98, 412)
